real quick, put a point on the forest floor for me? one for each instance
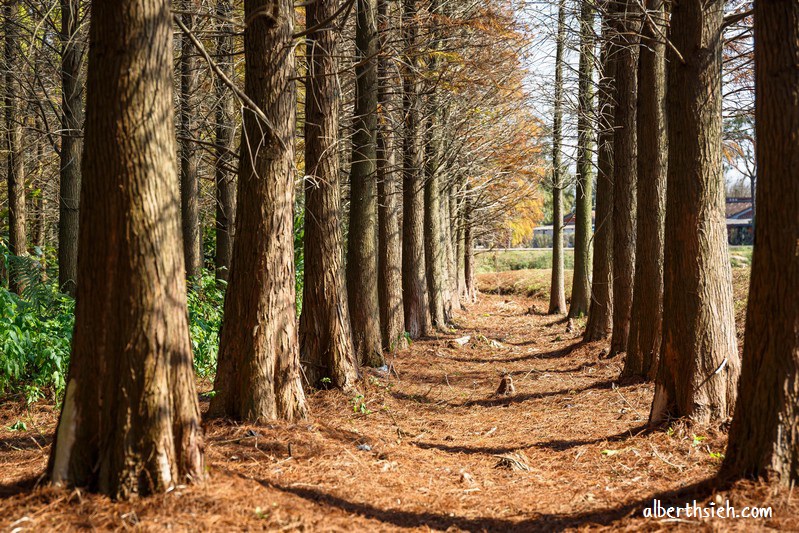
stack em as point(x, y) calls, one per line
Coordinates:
point(431, 447)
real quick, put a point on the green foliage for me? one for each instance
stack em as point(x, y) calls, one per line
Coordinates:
point(299, 253)
point(35, 337)
point(36, 330)
point(359, 405)
point(206, 305)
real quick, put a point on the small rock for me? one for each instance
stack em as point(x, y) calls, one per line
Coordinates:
point(467, 478)
point(364, 448)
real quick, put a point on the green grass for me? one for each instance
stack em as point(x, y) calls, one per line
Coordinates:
point(519, 260)
point(506, 261)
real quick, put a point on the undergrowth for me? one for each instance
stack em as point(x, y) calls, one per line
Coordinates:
point(36, 329)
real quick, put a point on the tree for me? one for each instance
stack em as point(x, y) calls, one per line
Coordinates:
point(414, 280)
point(600, 312)
point(362, 240)
point(583, 212)
point(130, 421)
point(258, 373)
point(71, 123)
point(643, 344)
point(325, 334)
point(763, 439)
point(624, 45)
point(389, 274)
point(15, 166)
point(189, 160)
point(224, 131)
point(557, 292)
point(699, 363)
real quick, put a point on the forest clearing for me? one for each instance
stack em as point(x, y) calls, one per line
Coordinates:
point(431, 447)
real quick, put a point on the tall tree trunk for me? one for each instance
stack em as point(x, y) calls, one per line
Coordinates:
point(414, 279)
point(643, 344)
point(468, 253)
point(600, 313)
point(460, 237)
point(699, 363)
point(583, 212)
point(71, 144)
point(189, 160)
point(362, 241)
point(447, 231)
point(258, 374)
point(557, 292)
point(39, 202)
point(223, 160)
point(15, 170)
point(434, 259)
point(389, 275)
point(326, 348)
point(130, 422)
point(763, 438)
point(625, 48)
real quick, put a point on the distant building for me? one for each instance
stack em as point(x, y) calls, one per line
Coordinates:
point(740, 230)
point(740, 213)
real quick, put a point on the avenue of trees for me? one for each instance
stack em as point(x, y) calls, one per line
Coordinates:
point(334, 163)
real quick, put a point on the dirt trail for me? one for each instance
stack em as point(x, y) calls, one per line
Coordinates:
point(429, 448)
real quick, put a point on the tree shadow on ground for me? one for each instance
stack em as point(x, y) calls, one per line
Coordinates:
point(471, 450)
point(552, 354)
point(25, 442)
point(542, 522)
point(504, 401)
point(563, 445)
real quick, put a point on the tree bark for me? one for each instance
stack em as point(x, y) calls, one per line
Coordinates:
point(362, 240)
point(581, 284)
point(699, 363)
point(223, 157)
point(326, 348)
point(643, 344)
point(189, 160)
point(414, 280)
point(764, 441)
point(600, 312)
point(468, 253)
point(625, 48)
point(557, 291)
point(71, 144)
point(258, 374)
point(15, 169)
point(389, 275)
point(130, 422)
point(433, 246)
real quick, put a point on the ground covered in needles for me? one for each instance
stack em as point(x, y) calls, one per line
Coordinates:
point(428, 445)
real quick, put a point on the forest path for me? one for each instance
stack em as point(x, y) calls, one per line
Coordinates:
point(431, 449)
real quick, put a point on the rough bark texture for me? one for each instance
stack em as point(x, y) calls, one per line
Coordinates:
point(130, 422)
point(414, 280)
point(362, 239)
point(699, 363)
point(764, 438)
point(600, 313)
point(624, 171)
point(326, 349)
point(557, 290)
point(643, 344)
point(433, 245)
point(469, 270)
point(389, 275)
point(72, 52)
point(583, 211)
point(15, 170)
point(223, 160)
point(189, 156)
point(258, 374)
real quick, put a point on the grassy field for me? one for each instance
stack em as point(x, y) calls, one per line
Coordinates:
point(504, 261)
